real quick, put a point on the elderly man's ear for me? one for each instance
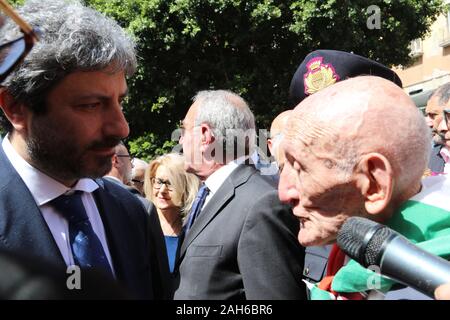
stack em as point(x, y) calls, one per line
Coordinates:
point(15, 112)
point(375, 180)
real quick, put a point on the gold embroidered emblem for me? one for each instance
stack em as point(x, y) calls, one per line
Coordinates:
point(319, 75)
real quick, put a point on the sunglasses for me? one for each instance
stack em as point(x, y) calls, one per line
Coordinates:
point(13, 52)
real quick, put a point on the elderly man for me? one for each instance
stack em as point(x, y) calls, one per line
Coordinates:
point(318, 70)
point(440, 155)
point(63, 114)
point(240, 240)
point(137, 175)
point(347, 154)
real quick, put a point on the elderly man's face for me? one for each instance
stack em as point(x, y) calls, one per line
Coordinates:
point(191, 141)
point(433, 116)
point(321, 195)
point(76, 137)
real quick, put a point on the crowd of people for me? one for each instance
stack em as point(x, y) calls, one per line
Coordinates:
point(220, 221)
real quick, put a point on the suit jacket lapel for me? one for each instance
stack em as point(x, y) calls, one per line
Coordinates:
point(22, 226)
point(208, 213)
point(107, 205)
point(217, 202)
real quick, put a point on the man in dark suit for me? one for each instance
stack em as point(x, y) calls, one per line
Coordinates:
point(120, 174)
point(241, 244)
point(62, 111)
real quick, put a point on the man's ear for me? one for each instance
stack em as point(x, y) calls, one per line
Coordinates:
point(115, 161)
point(375, 179)
point(207, 136)
point(270, 145)
point(16, 113)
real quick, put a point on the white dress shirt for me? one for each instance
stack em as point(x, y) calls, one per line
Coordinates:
point(446, 156)
point(214, 181)
point(44, 189)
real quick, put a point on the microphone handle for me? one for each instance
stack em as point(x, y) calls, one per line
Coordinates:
point(406, 263)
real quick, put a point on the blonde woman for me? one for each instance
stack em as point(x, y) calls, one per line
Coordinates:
point(172, 190)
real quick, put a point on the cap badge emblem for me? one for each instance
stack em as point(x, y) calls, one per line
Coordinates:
point(320, 75)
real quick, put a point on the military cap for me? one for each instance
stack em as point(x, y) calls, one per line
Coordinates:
point(322, 68)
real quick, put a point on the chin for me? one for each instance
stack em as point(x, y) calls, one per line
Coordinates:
point(310, 240)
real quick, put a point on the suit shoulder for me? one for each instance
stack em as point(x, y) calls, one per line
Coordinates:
point(261, 184)
point(122, 195)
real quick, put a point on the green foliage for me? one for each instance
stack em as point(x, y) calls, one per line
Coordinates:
point(252, 47)
point(146, 147)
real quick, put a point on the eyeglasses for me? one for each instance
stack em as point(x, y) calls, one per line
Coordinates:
point(137, 181)
point(124, 156)
point(13, 52)
point(158, 183)
point(183, 128)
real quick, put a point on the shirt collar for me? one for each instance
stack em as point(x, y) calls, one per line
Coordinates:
point(42, 187)
point(215, 180)
point(445, 154)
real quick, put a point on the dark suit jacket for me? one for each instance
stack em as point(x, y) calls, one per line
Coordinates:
point(159, 260)
point(243, 245)
point(23, 229)
point(436, 162)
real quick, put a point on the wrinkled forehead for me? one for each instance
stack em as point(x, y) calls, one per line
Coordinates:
point(306, 129)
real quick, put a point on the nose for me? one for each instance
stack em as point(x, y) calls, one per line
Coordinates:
point(287, 191)
point(429, 121)
point(442, 127)
point(115, 124)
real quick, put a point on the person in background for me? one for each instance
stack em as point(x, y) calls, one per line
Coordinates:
point(138, 174)
point(172, 191)
point(440, 155)
point(278, 124)
point(121, 166)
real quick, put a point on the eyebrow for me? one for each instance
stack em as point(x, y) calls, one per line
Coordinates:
point(100, 96)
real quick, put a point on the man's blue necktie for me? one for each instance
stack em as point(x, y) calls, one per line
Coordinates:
point(197, 206)
point(86, 247)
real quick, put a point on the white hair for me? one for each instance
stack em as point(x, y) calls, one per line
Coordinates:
point(231, 120)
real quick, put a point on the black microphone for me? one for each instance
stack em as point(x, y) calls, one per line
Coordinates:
point(374, 244)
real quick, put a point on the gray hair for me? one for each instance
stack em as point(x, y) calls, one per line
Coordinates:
point(230, 118)
point(442, 93)
point(74, 38)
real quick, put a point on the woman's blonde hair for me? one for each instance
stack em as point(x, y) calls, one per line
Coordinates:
point(185, 185)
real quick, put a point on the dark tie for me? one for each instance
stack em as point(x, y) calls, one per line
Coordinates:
point(197, 206)
point(87, 249)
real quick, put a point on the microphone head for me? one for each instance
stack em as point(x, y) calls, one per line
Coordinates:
point(363, 240)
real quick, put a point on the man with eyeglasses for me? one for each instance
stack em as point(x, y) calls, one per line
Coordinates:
point(240, 240)
point(121, 165)
point(444, 133)
point(433, 115)
point(137, 175)
point(62, 111)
